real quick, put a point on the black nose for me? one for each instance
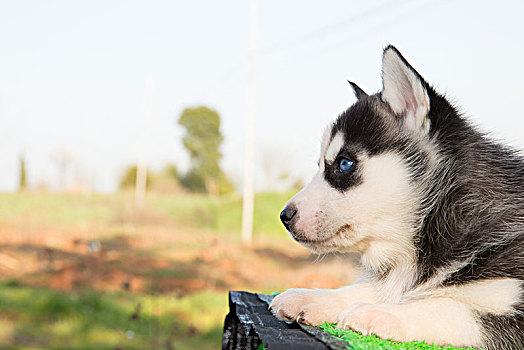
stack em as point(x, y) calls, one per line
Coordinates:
point(287, 215)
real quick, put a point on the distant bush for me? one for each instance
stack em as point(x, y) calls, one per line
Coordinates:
point(169, 180)
point(171, 171)
point(193, 181)
point(165, 181)
point(128, 180)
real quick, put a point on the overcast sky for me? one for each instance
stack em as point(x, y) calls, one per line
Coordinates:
point(72, 75)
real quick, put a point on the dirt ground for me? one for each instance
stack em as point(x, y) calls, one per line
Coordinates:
point(156, 259)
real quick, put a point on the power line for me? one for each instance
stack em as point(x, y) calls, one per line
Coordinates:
point(226, 77)
point(354, 38)
point(301, 40)
point(329, 29)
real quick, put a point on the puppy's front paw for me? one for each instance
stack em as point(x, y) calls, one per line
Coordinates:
point(372, 319)
point(306, 306)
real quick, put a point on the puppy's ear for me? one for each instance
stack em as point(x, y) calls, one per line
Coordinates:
point(404, 90)
point(359, 93)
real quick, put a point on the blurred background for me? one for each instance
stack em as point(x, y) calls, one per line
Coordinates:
point(131, 130)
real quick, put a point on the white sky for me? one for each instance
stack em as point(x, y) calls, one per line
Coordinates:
point(72, 75)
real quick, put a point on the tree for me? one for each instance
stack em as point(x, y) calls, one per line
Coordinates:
point(202, 140)
point(23, 179)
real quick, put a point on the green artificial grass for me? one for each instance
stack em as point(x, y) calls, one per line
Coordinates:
point(358, 341)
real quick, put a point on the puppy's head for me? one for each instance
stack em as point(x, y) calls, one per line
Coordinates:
point(366, 193)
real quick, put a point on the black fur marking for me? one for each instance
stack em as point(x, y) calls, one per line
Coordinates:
point(503, 332)
point(480, 217)
point(365, 131)
point(342, 181)
point(359, 93)
point(363, 128)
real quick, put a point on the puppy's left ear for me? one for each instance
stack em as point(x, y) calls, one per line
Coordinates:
point(359, 93)
point(404, 90)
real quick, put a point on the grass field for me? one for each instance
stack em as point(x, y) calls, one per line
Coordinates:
point(196, 211)
point(45, 318)
point(92, 272)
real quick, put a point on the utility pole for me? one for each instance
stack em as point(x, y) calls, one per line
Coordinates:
point(248, 202)
point(141, 167)
point(63, 160)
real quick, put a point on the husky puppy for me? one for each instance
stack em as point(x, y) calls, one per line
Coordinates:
point(435, 210)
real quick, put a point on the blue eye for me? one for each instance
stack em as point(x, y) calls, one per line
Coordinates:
point(344, 165)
